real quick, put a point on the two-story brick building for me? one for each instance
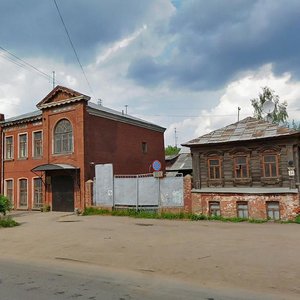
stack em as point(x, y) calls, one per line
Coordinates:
point(48, 155)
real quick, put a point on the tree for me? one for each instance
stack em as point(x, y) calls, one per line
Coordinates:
point(170, 150)
point(5, 205)
point(279, 115)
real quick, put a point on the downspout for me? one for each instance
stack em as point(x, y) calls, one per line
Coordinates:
point(2, 162)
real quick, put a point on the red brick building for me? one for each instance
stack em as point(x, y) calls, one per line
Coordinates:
point(49, 155)
point(248, 169)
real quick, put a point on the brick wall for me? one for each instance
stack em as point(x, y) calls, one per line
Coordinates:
point(257, 204)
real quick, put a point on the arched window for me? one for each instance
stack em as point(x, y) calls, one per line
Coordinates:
point(63, 137)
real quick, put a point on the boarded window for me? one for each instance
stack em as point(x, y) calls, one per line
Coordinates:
point(241, 167)
point(37, 144)
point(37, 193)
point(63, 137)
point(214, 209)
point(214, 168)
point(242, 210)
point(270, 165)
point(23, 145)
point(9, 149)
point(23, 193)
point(273, 210)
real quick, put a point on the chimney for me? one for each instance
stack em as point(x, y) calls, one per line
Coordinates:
point(2, 117)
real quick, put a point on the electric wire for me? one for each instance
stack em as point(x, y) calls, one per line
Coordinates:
point(73, 47)
point(9, 56)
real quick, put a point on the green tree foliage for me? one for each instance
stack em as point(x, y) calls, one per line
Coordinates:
point(171, 150)
point(5, 205)
point(279, 115)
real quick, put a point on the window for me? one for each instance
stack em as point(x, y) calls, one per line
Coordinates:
point(37, 144)
point(9, 148)
point(242, 210)
point(9, 190)
point(241, 167)
point(23, 145)
point(23, 192)
point(273, 210)
point(214, 209)
point(144, 147)
point(270, 165)
point(37, 193)
point(214, 168)
point(63, 137)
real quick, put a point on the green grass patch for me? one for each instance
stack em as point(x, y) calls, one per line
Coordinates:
point(152, 214)
point(8, 222)
point(89, 211)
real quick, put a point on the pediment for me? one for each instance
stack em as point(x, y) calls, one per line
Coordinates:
point(60, 95)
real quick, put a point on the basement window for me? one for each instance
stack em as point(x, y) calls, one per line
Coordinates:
point(214, 208)
point(273, 210)
point(242, 210)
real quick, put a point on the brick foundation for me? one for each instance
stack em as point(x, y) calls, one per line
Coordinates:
point(257, 204)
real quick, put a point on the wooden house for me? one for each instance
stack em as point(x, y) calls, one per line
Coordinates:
point(247, 169)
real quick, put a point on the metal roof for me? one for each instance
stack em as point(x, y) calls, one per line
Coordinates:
point(246, 129)
point(119, 116)
point(183, 162)
point(51, 167)
point(37, 114)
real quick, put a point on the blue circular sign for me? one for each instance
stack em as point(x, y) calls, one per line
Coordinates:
point(156, 165)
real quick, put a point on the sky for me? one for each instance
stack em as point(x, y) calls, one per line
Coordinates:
point(186, 65)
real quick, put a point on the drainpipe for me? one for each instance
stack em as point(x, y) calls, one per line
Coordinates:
point(2, 162)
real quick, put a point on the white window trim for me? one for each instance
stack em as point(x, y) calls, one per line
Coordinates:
point(33, 132)
point(32, 190)
point(22, 133)
point(5, 190)
point(13, 148)
point(18, 191)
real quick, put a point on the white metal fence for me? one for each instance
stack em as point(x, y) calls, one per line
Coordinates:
point(140, 191)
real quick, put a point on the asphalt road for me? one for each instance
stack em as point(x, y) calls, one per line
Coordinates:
point(47, 280)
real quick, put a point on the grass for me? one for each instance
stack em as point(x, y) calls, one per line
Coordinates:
point(8, 222)
point(164, 215)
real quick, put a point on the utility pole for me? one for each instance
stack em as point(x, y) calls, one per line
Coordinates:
point(239, 113)
point(176, 137)
point(53, 79)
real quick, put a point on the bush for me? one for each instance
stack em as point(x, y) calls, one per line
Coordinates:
point(5, 205)
point(8, 222)
point(297, 219)
point(95, 211)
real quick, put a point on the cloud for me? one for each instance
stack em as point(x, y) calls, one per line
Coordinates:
point(214, 41)
point(238, 94)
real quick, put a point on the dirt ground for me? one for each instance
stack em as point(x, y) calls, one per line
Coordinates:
point(256, 257)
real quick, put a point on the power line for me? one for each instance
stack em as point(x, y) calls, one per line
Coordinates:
point(22, 63)
point(73, 47)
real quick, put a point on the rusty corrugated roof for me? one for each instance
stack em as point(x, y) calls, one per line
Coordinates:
point(246, 129)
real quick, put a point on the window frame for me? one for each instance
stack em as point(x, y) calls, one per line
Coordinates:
point(209, 159)
point(12, 147)
point(34, 155)
point(19, 193)
point(247, 165)
point(270, 153)
point(144, 147)
point(5, 190)
point(238, 210)
point(19, 145)
point(273, 210)
point(40, 193)
point(210, 204)
point(62, 139)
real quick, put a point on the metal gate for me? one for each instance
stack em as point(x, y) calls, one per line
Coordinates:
point(139, 191)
